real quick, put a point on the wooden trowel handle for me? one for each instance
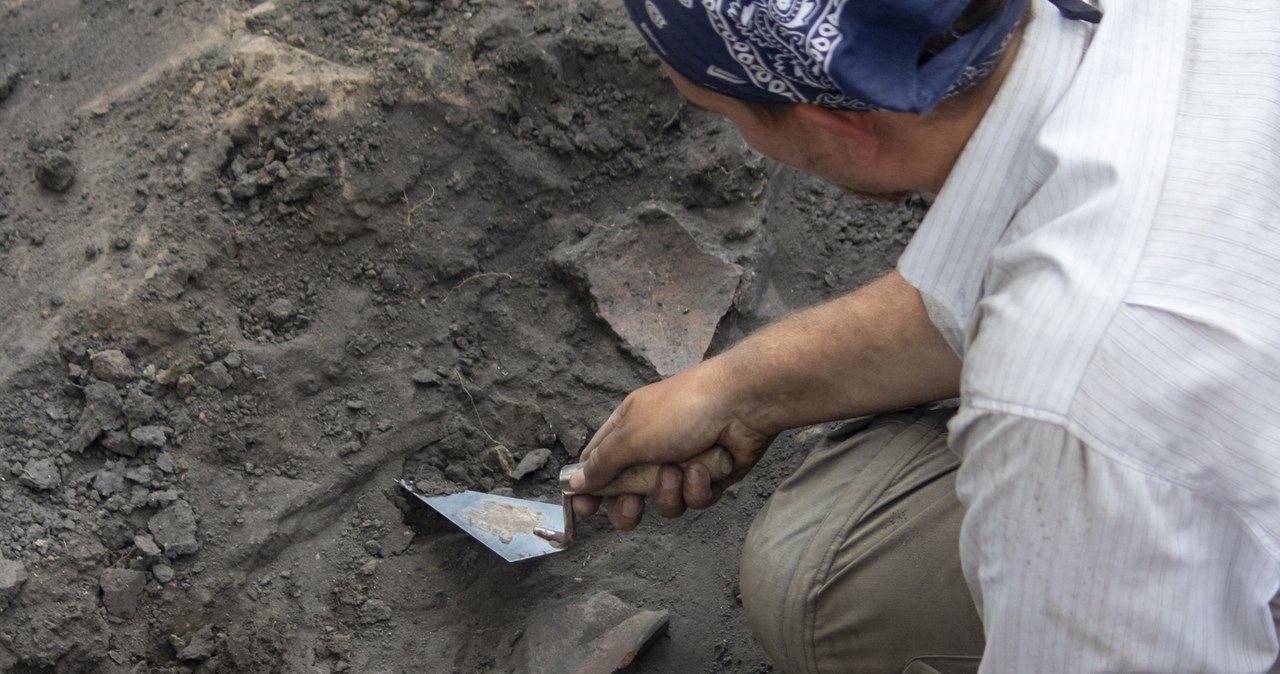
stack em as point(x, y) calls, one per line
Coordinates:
point(642, 479)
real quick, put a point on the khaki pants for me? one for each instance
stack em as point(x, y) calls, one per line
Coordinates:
point(854, 564)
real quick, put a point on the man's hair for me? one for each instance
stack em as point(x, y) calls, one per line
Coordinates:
point(975, 14)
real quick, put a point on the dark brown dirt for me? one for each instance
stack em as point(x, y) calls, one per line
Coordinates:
point(257, 263)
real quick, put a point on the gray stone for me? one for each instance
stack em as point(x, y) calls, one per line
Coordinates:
point(121, 589)
point(281, 310)
point(164, 461)
point(426, 377)
point(200, 645)
point(150, 436)
point(146, 546)
point(531, 462)
point(40, 475)
point(245, 188)
point(375, 611)
point(217, 376)
point(55, 171)
point(654, 285)
point(307, 173)
point(140, 474)
point(103, 411)
point(119, 442)
point(162, 572)
point(13, 575)
point(112, 365)
point(174, 529)
point(108, 482)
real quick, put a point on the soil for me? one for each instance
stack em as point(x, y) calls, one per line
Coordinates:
point(258, 263)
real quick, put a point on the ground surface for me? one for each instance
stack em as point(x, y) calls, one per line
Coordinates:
point(257, 263)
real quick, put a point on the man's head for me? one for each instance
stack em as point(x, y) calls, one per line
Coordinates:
point(860, 55)
point(875, 98)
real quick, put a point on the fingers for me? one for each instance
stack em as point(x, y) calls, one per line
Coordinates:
point(698, 491)
point(625, 511)
point(668, 497)
point(677, 491)
point(585, 505)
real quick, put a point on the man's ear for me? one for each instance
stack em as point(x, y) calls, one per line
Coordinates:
point(856, 127)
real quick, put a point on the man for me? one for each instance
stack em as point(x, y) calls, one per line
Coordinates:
point(1096, 283)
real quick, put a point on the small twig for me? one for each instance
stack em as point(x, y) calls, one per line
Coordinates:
point(409, 210)
point(675, 118)
point(461, 382)
point(474, 277)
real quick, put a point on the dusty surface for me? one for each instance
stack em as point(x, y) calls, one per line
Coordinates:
point(257, 263)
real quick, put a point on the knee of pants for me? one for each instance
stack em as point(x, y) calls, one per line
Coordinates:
point(830, 576)
point(767, 596)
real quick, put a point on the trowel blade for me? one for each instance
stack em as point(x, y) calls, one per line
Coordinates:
point(504, 524)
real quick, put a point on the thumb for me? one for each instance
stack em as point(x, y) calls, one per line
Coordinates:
point(593, 474)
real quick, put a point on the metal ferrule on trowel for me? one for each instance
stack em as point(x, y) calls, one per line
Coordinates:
point(520, 528)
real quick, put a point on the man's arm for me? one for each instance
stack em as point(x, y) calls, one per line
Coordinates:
point(869, 351)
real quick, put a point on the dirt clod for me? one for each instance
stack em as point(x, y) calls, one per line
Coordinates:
point(174, 529)
point(55, 171)
point(40, 475)
point(121, 589)
point(13, 575)
point(111, 365)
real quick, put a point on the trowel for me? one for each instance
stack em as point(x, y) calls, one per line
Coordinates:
point(519, 528)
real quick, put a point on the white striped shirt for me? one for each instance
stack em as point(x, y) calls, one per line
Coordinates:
point(1106, 258)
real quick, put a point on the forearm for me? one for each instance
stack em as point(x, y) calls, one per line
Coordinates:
point(869, 351)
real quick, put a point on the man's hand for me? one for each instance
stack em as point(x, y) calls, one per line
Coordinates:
point(666, 424)
point(870, 351)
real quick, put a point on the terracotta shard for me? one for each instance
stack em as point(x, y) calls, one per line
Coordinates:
point(596, 635)
point(655, 286)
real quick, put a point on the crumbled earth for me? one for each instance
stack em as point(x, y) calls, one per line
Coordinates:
point(260, 262)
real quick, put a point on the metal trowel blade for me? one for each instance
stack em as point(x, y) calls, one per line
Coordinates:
point(505, 525)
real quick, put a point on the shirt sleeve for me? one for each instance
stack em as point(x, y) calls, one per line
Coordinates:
point(1080, 563)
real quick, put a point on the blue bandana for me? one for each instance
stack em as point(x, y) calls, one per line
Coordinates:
point(844, 54)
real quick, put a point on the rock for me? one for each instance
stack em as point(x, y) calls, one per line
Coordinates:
point(600, 635)
point(307, 173)
point(174, 529)
point(112, 365)
point(281, 310)
point(245, 188)
point(658, 290)
point(375, 611)
point(108, 482)
point(119, 442)
point(426, 377)
point(150, 436)
point(13, 575)
point(164, 461)
point(146, 547)
point(120, 591)
point(103, 411)
point(140, 474)
point(217, 376)
point(40, 475)
point(163, 573)
point(531, 462)
point(9, 76)
point(55, 171)
point(199, 646)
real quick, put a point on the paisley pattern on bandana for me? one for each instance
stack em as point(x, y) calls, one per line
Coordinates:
point(793, 51)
